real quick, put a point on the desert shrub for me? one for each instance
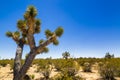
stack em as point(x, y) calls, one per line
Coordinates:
point(107, 71)
point(86, 67)
point(62, 63)
point(42, 64)
point(67, 69)
point(44, 69)
point(46, 74)
point(82, 61)
point(58, 64)
point(116, 64)
point(3, 63)
point(68, 74)
point(117, 74)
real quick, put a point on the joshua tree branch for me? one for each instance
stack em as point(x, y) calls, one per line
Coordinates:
point(40, 48)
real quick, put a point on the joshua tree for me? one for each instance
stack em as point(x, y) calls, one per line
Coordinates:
point(66, 55)
point(27, 27)
point(108, 55)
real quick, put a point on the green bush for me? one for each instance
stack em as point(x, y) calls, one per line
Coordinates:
point(46, 74)
point(107, 71)
point(68, 74)
point(58, 64)
point(86, 67)
point(3, 63)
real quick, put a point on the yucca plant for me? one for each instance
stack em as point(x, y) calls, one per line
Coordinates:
point(27, 27)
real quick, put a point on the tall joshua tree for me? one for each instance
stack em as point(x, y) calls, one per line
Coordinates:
point(66, 55)
point(27, 27)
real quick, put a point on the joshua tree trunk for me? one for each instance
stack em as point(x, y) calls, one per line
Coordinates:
point(17, 60)
point(26, 66)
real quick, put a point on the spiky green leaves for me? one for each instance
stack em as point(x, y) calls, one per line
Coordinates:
point(55, 42)
point(48, 33)
point(37, 29)
point(41, 41)
point(38, 22)
point(37, 25)
point(59, 31)
point(31, 12)
point(24, 41)
point(9, 34)
point(16, 35)
point(45, 50)
point(21, 24)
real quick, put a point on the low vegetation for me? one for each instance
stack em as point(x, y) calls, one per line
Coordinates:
point(67, 69)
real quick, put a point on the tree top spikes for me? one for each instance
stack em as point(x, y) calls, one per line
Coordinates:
point(38, 22)
point(59, 31)
point(21, 24)
point(30, 12)
point(9, 34)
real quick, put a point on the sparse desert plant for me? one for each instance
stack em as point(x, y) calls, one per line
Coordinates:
point(86, 67)
point(107, 71)
point(43, 65)
point(67, 74)
point(46, 74)
point(61, 64)
point(69, 70)
point(46, 71)
point(3, 64)
point(58, 64)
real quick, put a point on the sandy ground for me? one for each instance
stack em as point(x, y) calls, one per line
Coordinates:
point(6, 73)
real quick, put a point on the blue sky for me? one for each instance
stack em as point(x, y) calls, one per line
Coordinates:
point(92, 27)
